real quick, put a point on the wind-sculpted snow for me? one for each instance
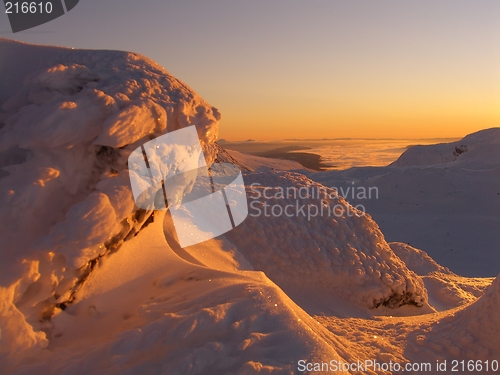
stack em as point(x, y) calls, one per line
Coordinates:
point(145, 310)
point(470, 334)
point(89, 284)
point(445, 289)
point(341, 252)
point(417, 260)
point(69, 119)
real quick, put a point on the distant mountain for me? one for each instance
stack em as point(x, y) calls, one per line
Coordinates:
point(475, 151)
point(442, 198)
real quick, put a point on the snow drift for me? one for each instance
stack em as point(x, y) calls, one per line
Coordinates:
point(342, 253)
point(470, 334)
point(68, 121)
point(88, 283)
point(145, 310)
point(445, 289)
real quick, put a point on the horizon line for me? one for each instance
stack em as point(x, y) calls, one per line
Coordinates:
point(337, 139)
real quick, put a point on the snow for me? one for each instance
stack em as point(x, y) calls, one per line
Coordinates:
point(90, 285)
point(133, 122)
point(468, 334)
point(479, 150)
point(69, 120)
point(342, 254)
point(449, 209)
point(177, 318)
point(260, 163)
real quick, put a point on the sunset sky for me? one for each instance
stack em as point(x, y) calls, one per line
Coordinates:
point(310, 69)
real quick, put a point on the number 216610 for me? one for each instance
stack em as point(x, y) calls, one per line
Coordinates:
point(26, 7)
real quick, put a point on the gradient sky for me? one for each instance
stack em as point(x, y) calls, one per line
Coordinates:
point(310, 69)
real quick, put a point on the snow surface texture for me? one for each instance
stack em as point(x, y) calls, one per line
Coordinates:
point(446, 289)
point(72, 125)
point(68, 121)
point(89, 285)
point(148, 311)
point(469, 334)
point(444, 199)
point(342, 254)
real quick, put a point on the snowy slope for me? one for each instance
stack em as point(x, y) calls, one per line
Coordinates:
point(417, 260)
point(469, 334)
point(68, 121)
point(445, 289)
point(89, 285)
point(257, 162)
point(450, 209)
point(475, 151)
point(147, 311)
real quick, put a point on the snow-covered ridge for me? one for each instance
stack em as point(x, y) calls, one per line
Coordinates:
point(68, 121)
point(342, 254)
point(417, 260)
point(88, 283)
point(450, 209)
point(263, 163)
point(475, 151)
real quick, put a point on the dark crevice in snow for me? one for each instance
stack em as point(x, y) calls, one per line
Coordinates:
point(460, 150)
point(107, 162)
point(13, 156)
point(132, 226)
point(397, 300)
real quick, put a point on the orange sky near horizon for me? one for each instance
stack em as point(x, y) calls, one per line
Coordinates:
point(388, 70)
point(437, 90)
point(380, 117)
